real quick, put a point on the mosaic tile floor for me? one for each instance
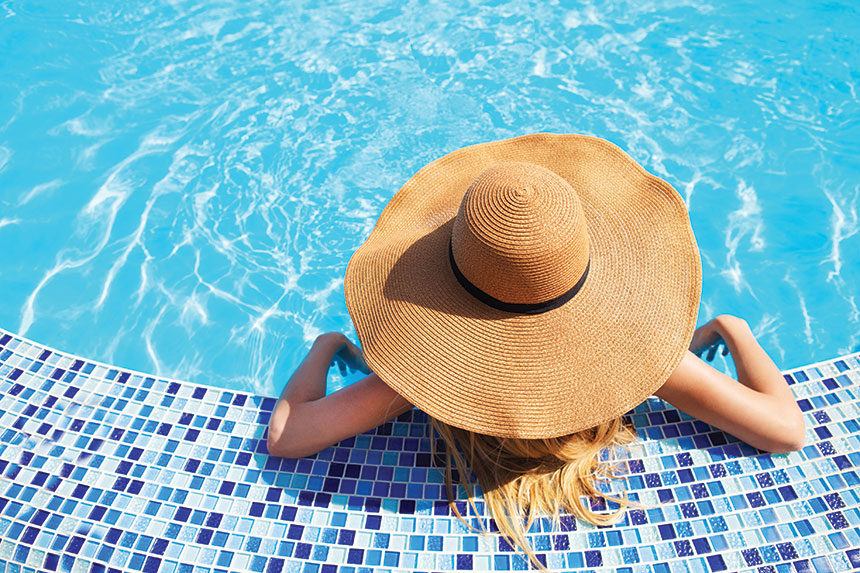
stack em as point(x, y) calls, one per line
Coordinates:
point(110, 470)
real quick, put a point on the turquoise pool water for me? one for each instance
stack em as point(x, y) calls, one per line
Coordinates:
point(184, 182)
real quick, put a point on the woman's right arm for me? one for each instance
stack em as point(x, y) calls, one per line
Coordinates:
point(759, 407)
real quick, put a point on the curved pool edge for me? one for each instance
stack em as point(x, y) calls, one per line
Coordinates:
point(105, 468)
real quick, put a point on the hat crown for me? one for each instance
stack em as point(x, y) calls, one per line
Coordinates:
point(520, 234)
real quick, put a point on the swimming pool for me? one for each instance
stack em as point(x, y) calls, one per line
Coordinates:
point(110, 470)
point(182, 184)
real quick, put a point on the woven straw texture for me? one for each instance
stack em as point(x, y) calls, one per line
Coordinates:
point(520, 234)
point(528, 375)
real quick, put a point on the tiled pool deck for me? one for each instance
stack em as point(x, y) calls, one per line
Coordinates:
point(103, 469)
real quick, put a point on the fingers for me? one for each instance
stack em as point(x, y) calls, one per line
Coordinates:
point(699, 347)
point(341, 366)
point(357, 359)
point(706, 342)
point(711, 351)
point(349, 360)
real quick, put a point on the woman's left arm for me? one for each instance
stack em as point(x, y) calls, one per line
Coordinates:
point(306, 421)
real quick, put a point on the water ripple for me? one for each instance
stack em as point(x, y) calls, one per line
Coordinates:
point(184, 182)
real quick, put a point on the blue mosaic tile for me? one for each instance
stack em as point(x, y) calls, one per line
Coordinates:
point(106, 469)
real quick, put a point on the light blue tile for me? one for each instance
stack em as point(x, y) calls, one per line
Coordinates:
point(304, 492)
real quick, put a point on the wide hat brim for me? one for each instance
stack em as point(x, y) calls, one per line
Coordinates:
point(529, 375)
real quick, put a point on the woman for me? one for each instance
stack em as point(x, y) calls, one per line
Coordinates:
point(525, 294)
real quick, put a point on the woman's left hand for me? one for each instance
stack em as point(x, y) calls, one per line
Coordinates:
point(349, 357)
point(305, 420)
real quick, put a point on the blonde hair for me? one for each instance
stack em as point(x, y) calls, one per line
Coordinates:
point(523, 478)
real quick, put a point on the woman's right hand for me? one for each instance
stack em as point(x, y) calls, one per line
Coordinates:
point(759, 407)
point(709, 337)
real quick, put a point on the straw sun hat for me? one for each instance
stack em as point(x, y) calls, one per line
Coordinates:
point(529, 288)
